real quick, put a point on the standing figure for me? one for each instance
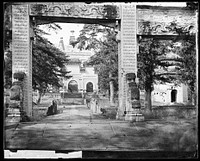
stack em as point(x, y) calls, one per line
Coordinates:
point(88, 100)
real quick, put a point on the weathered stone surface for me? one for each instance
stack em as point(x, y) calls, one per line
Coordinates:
point(16, 93)
point(133, 22)
point(13, 115)
point(75, 10)
point(128, 51)
point(154, 20)
point(73, 131)
point(21, 51)
point(134, 117)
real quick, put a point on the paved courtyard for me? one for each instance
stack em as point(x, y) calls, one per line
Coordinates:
point(78, 129)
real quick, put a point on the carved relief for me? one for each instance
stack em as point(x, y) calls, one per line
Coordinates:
point(75, 10)
point(161, 28)
point(155, 22)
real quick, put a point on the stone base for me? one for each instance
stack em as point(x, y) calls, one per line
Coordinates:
point(134, 117)
point(13, 119)
point(13, 115)
point(120, 115)
point(59, 111)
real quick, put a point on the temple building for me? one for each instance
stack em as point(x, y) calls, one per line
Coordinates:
point(166, 94)
point(84, 79)
point(169, 93)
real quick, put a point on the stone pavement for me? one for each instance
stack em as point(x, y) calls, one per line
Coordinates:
point(78, 129)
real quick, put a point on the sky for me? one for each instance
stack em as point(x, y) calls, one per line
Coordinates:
point(65, 32)
point(67, 27)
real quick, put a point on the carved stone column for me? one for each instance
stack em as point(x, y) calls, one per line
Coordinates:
point(127, 52)
point(21, 51)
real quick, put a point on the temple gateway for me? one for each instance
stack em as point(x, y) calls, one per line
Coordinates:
point(129, 20)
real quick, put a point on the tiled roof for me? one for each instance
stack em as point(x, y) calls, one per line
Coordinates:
point(74, 60)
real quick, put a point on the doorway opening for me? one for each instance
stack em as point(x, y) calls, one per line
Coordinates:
point(73, 86)
point(174, 95)
point(89, 87)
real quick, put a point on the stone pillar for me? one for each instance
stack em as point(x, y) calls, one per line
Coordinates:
point(133, 112)
point(127, 51)
point(21, 51)
point(197, 60)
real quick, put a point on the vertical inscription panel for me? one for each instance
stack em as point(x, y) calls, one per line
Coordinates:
point(21, 55)
point(128, 44)
point(128, 38)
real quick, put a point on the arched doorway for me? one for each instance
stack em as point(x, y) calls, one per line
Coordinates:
point(73, 86)
point(89, 87)
point(173, 95)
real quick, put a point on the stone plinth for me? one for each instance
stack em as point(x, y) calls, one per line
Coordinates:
point(13, 115)
point(134, 117)
point(120, 115)
point(127, 50)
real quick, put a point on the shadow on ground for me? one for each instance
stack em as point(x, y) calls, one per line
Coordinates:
point(77, 129)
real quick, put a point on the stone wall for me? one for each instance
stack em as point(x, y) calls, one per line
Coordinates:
point(172, 112)
point(73, 101)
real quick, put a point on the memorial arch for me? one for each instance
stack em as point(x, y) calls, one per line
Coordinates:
point(127, 19)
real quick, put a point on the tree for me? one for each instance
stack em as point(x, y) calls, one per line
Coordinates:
point(185, 46)
point(88, 38)
point(151, 54)
point(193, 5)
point(48, 65)
point(6, 45)
point(8, 69)
point(48, 62)
point(105, 59)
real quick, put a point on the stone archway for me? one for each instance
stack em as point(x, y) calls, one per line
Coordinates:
point(127, 19)
point(26, 15)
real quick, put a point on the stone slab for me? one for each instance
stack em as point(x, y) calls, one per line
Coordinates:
point(134, 117)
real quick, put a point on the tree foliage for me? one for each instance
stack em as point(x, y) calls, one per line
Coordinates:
point(7, 33)
point(88, 38)
point(187, 69)
point(48, 62)
point(186, 49)
point(193, 5)
point(105, 58)
point(152, 54)
point(8, 69)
